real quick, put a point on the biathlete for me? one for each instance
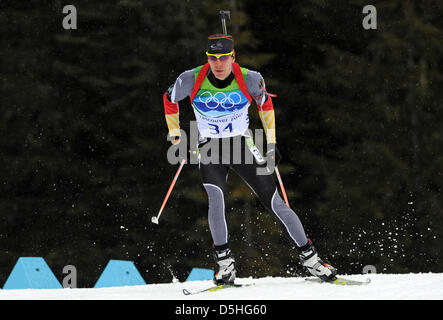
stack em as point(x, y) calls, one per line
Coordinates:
point(221, 93)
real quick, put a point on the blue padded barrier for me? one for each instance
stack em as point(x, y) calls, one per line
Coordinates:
point(199, 274)
point(118, 273)
point(31, 273)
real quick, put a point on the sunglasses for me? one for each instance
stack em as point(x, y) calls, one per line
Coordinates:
point(219, 56)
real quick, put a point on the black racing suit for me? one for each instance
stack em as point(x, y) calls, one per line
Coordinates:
point(214, 175)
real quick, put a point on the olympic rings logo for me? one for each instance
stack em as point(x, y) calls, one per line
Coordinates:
point(220, 99)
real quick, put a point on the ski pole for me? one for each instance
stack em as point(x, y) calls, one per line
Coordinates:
point(281, 186)
point(155, 219)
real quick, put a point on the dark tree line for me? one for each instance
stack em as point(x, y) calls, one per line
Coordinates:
point(83, 137)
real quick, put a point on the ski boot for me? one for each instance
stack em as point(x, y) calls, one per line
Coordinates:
point(316, 266)
point(225, 274)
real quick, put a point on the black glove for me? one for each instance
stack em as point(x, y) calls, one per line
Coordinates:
point(273, 154)
point(179, 150)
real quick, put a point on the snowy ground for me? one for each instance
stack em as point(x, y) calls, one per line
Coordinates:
point(426, 286)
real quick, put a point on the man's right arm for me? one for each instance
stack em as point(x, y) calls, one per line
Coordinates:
point(178, 91)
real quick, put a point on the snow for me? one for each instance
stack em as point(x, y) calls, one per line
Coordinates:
point(419, 286)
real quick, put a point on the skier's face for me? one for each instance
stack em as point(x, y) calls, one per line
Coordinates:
point(221, 68)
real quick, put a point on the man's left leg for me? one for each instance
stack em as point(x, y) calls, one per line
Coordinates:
point(266, 190)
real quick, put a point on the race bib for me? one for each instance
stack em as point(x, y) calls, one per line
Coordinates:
point(221, 114)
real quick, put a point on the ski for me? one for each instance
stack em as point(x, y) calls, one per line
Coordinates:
point(341, 281)
point(216, 288)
